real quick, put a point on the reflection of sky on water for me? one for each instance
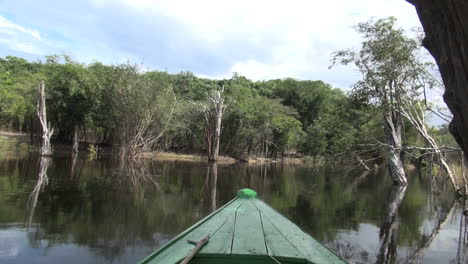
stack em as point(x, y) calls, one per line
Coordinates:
point(364, 239)
point(16, 248)
point(96, 216)
point(446, 242)
point(444, 247)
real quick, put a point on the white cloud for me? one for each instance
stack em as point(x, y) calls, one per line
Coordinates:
point(11, 28)
point(259, 39)
point(22, 39)
point(298, 36)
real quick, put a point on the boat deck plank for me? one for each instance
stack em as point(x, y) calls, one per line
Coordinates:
point(248, 231)
point(277, 244)
point(308, 246)
point(221, 241)
point(245, 230)
point(181, 248)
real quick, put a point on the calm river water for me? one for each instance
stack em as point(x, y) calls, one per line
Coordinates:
point(64, 210)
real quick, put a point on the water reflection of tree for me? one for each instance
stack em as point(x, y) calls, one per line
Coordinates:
point(349, 251)
point(74, 159)
point(210, 186)
point(114, 206)
point(42, 181)
point(462, 249)
point(137, 176)
point(442, 219)
point(389, 229)
point(107, 212)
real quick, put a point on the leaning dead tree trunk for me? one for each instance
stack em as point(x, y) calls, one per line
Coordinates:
point(47, 130)
point(213, 117)
point(416, 118)
point(75, 140)
point(445, 23)
point(392, 128)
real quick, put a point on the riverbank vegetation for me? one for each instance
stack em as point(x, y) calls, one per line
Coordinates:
point(136, 111)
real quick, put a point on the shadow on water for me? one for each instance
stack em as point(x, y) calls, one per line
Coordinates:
point(102, 211)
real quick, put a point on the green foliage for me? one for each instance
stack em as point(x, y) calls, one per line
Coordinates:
point(71, 94)
point(93, 151)
point(394, 75)
point(389, 62)
point(443, 136)
point(18, 84)
point(287, 132)
point(111, 102)
point(143, 105)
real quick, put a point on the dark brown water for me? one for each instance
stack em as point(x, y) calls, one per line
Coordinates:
point(100, 211)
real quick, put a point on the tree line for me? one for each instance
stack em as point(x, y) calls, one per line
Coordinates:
point(136, 111)
point(112, 104)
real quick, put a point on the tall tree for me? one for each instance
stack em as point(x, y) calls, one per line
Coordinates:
point(18, 91)
point(214, 111)
point(389, 65)
point(71, 96)
point(143, 105)
point(47, 130)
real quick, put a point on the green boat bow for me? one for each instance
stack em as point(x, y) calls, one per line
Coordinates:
point(245, 230)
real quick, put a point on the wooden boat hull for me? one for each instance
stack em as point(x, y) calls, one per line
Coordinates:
point(245, 230)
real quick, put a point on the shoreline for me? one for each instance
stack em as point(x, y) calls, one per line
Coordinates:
point(172, 156)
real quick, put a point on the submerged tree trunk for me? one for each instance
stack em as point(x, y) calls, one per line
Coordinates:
point(47, 130)
point(445, 23)
point(217, 135)
point(75, 140)
point(392, 128)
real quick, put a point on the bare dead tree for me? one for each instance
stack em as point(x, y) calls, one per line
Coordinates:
point(145, 109)
point(214, 111)
point(414, 113)
point(47, 130)
point(393, 129)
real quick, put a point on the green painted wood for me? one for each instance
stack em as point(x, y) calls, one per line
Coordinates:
point(221, 241)
point(247, 193)
point(245, 230)
point(248, 231)
point(277, 244)
point(308, 246)
point(178, 248)
point(244, 259)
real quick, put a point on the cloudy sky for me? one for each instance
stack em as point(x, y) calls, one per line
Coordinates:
point(212, 38)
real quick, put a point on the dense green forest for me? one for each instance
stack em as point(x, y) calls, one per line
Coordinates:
point(288, 115)
point(127, 107)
